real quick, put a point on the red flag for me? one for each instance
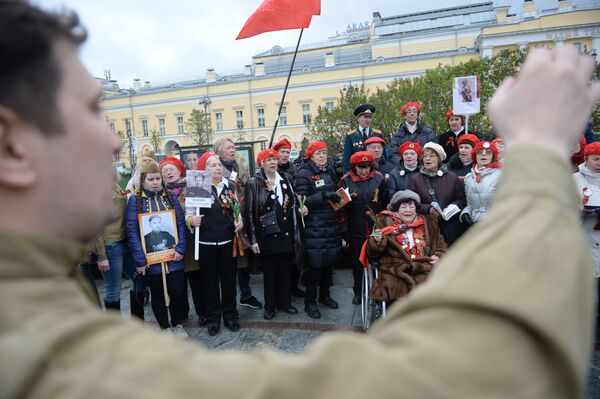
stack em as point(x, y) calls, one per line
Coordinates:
point(275, 15)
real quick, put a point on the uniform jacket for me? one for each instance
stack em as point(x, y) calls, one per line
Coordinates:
point(259, 201)
point(585, 178)
point(399, 179)
point(57, 342)
point(398, 273)
point(153, 202)
point(481, 195)
point(371, 193)
point(449, 142)
point(322, 235)
point(355, 142)
point(424, 134)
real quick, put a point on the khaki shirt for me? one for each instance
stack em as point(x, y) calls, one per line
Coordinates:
point(506, 314)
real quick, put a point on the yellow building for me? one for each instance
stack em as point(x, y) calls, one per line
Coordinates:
point(244, 106)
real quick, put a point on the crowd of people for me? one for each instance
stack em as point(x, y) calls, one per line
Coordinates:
point(289, 221)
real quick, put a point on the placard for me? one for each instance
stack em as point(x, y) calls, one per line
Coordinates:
point(158, 231)
point(198, 189)
point(466, 95)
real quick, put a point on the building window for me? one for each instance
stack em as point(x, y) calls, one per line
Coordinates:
point(161, 126)
point(112, 127)
point(329, 105)
point(239, 119)
point(283, 116)
point(127, 127)
point(261, 117)
point(263, 145)
point(219, 121)
point(180, 125)
point(145, 127)
point(306, 114)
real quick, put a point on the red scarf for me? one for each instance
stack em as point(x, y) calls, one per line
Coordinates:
point(397, 228)
point(493, 165)
point(356, 178)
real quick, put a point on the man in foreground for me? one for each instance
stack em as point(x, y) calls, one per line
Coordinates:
point(518, 324)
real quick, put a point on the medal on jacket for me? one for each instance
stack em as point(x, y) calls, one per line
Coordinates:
point(587, 193)
point(402, 172)
point(284, 186)
point(440, 173)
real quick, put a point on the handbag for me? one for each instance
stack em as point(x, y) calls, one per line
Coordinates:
point(269, 224)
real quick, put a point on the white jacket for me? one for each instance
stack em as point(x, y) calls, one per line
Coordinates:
point(590, 180)
point(480, 195)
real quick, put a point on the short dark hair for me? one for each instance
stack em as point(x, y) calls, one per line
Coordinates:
point(30, 73)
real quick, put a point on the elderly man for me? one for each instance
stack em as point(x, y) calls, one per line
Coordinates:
point(355, 139)
point(237, 172)
point(518, 324)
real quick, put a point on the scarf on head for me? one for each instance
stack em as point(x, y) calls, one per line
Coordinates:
point(230, 165)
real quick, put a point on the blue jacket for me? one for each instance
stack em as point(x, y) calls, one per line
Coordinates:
point(153, 202)
point(354, 142)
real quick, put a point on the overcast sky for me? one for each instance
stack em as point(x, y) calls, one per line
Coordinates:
point(168, 41)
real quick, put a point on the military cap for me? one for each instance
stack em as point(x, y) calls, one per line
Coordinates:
point(364, 109)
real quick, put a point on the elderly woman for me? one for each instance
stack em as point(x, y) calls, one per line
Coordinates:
point(369, 197)
point(317, 182)
point(588, 185)
point(434, 183)
point(407, 246)
point(462, 162)
point(449, 140)
point(400, 176)
point(273, 230)
point(481, 184)
point(218, 227)
point(173, 172)
point(153, 197)
point(236, 172)
point(376, 146)
point(412, 129)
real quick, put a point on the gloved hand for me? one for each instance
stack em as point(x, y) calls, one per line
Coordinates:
point(332, 196)
point(467, 219)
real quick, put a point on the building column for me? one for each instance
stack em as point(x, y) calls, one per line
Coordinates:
point(596, 47)
point(559, 43)
point(486, 52)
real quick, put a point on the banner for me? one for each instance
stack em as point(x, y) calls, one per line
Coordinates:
point(466, 95)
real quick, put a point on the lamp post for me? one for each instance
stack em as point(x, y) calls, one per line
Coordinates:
point(205, 101)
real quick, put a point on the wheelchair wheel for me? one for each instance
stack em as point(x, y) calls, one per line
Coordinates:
point(367, 304)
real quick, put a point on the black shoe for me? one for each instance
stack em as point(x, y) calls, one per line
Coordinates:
point(202, 321)
point(329, 302)
point(232, 325)
point(213, 328)
point(251, 302)
point(269, 314)
point(297, 292)
point(356, 300)
point(312, 311)
point(290, 309)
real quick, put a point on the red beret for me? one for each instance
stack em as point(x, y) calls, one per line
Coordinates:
point(592, 149)
point(314, 146)
point(173, 161)
point(487, 145)
point(416, 147)
point(450, 113)
point(469, 138)
point(411, 104)
point(360, 157)
point(498, 140)
point(201, 165)
point(264, 154)
point(375, 139)
point(283, 143)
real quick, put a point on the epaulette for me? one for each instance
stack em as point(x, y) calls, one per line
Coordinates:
point(351, 131)
point(376, 130)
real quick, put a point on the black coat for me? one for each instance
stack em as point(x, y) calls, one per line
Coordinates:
point(399, 179)
point(372, 193)
point(423, 135)
point(449, 142)
point(456, 166)
point(322, 235)
point(385, 167)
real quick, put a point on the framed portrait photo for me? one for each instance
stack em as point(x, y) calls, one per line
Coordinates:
point(158, 232)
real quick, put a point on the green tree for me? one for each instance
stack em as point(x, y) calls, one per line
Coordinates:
point(198, 127)
point(155, 140)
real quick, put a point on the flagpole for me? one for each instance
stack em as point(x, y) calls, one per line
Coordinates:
point(285, 89)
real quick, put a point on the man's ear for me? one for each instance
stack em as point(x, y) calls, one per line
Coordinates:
point(17, 166)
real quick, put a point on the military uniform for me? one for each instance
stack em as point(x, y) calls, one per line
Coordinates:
point(355, 139)
point(158, 241)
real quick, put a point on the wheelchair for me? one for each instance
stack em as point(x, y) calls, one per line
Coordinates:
point(370, 308)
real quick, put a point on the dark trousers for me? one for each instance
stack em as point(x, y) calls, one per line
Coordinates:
point(276, 269)
point(175, 286)
point(317, 277)
point(244, 282)
point(357, 267)
point(219, 272)
point(294, 276)
point(194, 278)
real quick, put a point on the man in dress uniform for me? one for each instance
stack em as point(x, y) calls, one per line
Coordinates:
point(518, 325)
point(355, 139)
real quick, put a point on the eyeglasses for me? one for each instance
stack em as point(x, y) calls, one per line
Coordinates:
point(321, 152)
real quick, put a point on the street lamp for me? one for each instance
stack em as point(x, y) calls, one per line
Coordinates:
point(205, 101)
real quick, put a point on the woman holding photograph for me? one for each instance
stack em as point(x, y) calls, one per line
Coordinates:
point(174, 175)
point(273, 230)
point(165, 279)
point(218, 227)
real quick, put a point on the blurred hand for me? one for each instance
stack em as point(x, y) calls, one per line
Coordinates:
point(141, 270)
point(332, 196)
point(255, 249)
point(304, 210)
point(548, 103)
point(378, 236)
point(239, 225)
point(103, 266)
point(177, 256)
point(196, 221)
point(434, 259)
